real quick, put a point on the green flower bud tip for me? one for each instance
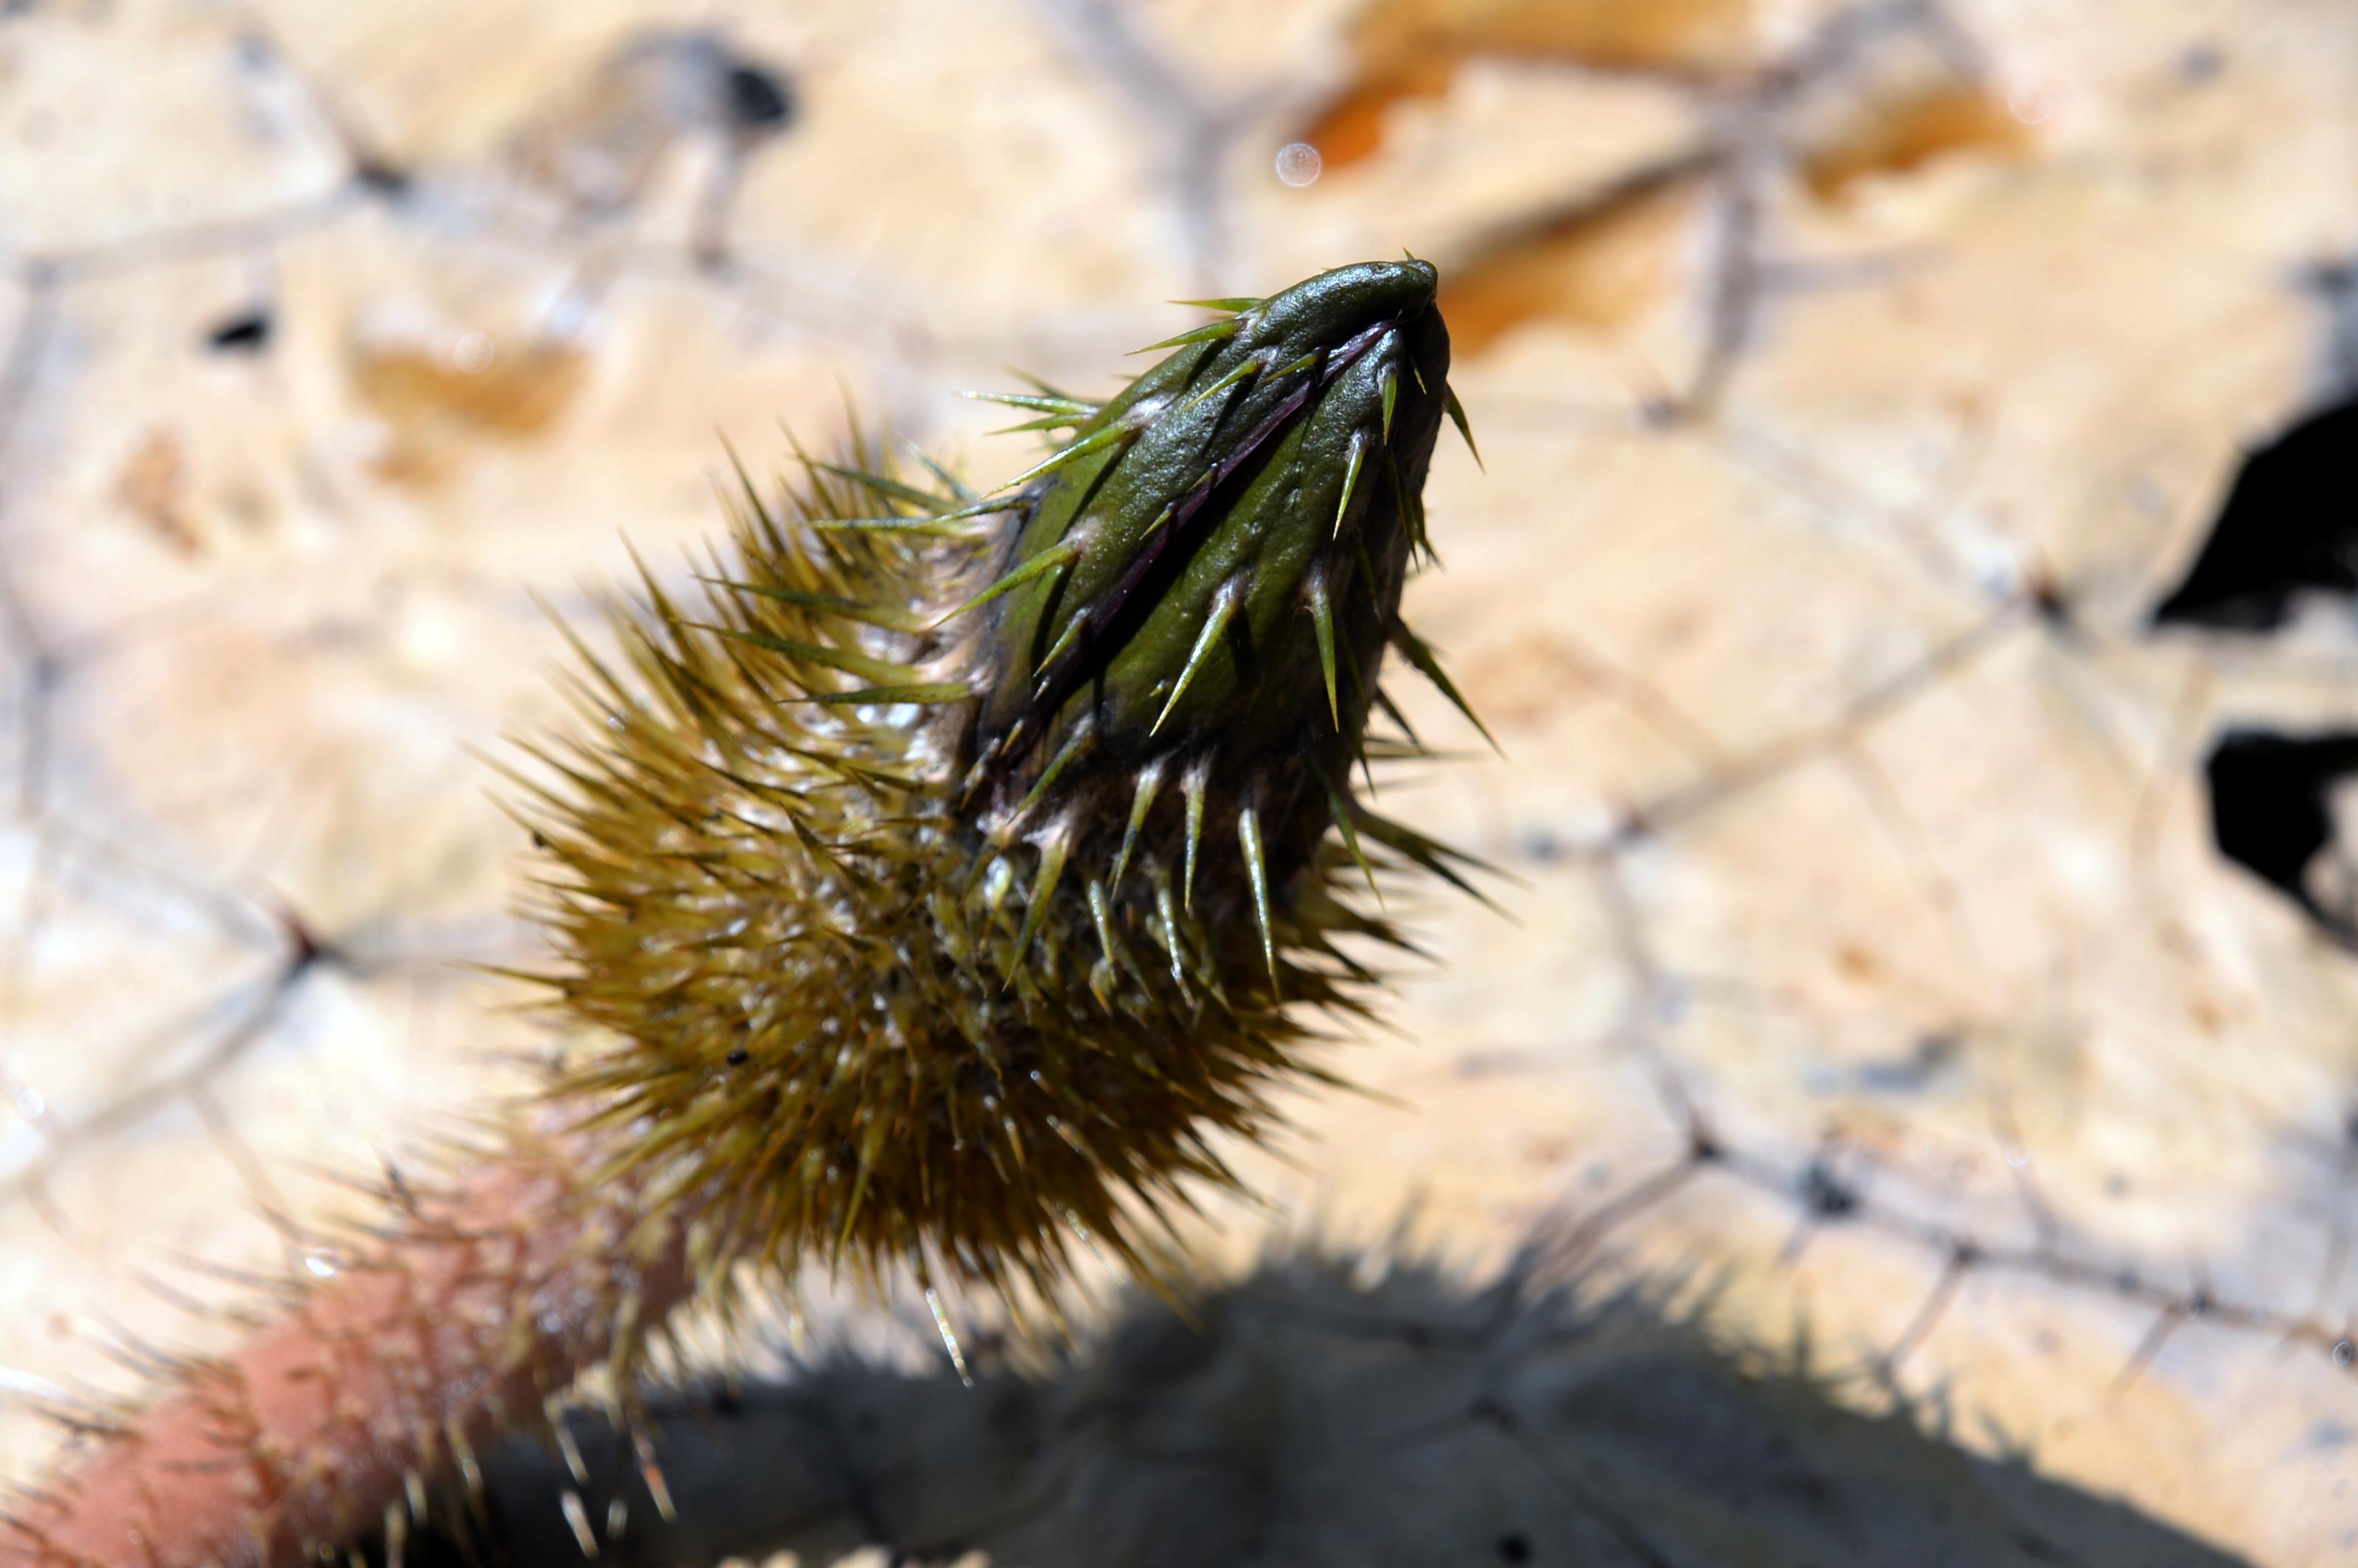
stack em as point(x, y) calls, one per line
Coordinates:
point(887, 879)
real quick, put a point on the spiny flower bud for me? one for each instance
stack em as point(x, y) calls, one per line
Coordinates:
point(1196, 561)
point(890, 876)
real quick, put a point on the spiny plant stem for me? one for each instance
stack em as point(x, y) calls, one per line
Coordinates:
point(471, 1309)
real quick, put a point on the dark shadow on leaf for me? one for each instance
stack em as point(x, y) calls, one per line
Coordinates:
point(2290, 526)
point(1305, 1417)
point(2272, 813)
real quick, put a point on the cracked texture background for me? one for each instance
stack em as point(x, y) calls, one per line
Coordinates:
point(1853, 381)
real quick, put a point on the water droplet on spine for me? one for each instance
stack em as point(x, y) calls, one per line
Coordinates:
point(1299, 164)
